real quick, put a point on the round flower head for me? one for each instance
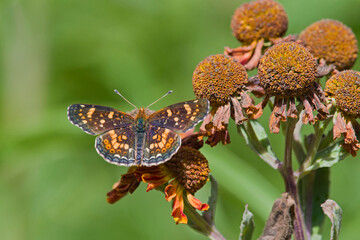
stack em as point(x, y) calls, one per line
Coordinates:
point(218, 78)
point(332, 41)
point(185, 173)
point(259, 19)
point(344, 88)
point(221, 80)
point(288, 71)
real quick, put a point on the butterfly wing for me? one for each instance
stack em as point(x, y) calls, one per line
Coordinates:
point(181, 116)
point(160, 145)
point(116, 146)
point(95, 119)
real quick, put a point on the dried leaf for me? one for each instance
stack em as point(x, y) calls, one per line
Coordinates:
point(279, 225)
point(334, 212)
point(247, 225)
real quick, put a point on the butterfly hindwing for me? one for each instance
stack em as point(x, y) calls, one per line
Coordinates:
point(182, 116)
point(95, 119)
point(160, 145)
point(116, 146)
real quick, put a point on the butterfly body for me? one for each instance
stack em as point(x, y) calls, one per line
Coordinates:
point(148, 138)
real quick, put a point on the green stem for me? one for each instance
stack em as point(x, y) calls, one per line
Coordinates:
point(319, 128)
point(198, 223)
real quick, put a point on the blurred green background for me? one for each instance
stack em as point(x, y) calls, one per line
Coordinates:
point(53, 184)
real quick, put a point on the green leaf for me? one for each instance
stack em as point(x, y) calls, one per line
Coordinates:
point(257, 138)
point(314, 190)
point(247, 225)
point(210, 213)
point(328, 157)
point(334, 212)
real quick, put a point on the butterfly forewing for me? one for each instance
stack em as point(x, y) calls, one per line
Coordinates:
point(116, 146)
point(160, 145)
point(180, 116)
point(94, 119)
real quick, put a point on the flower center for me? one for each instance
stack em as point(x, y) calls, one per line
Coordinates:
point(259, 19)
point(287, 70)
point(190, 168)
point(217, 78)
point(344, 87)
point(332, 41)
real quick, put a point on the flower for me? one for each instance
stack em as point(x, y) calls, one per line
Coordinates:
point(344, 89)
point(223, 81)
point(185, 173)
point(288, 71)
point(332, 41)
point(251, 24)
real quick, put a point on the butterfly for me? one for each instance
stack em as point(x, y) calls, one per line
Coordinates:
point(142, 138)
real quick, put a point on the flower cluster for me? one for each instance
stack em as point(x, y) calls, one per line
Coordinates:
point(288, 80)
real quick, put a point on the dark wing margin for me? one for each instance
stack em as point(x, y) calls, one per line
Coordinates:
point(116, 146)
point(182, 116)
point(160, 145)
point(95, 119)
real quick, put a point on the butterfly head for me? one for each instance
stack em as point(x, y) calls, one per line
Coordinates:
point(140, 120)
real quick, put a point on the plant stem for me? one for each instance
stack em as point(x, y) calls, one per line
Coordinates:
point(319, 128)
point(290, 184)
point(198, 223)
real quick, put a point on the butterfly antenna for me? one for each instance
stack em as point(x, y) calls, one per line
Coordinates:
point(117, 92)
point(160, 98)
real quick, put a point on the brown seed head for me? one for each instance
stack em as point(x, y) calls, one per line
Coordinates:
point(217, 78)
point(259, 19)
point(332, 41)
point(190, 168)
point(287, 70)
point(344, 87)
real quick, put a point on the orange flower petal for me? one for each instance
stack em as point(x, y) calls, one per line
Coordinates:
point(178, 207)
point(196, 203)
point(170, 192)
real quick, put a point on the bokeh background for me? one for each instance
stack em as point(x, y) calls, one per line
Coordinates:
point(53, 184)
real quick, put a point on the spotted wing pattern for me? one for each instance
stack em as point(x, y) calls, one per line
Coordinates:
point(182, 116)
point(116, 146)
point(160, 145)
point(95, 119)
